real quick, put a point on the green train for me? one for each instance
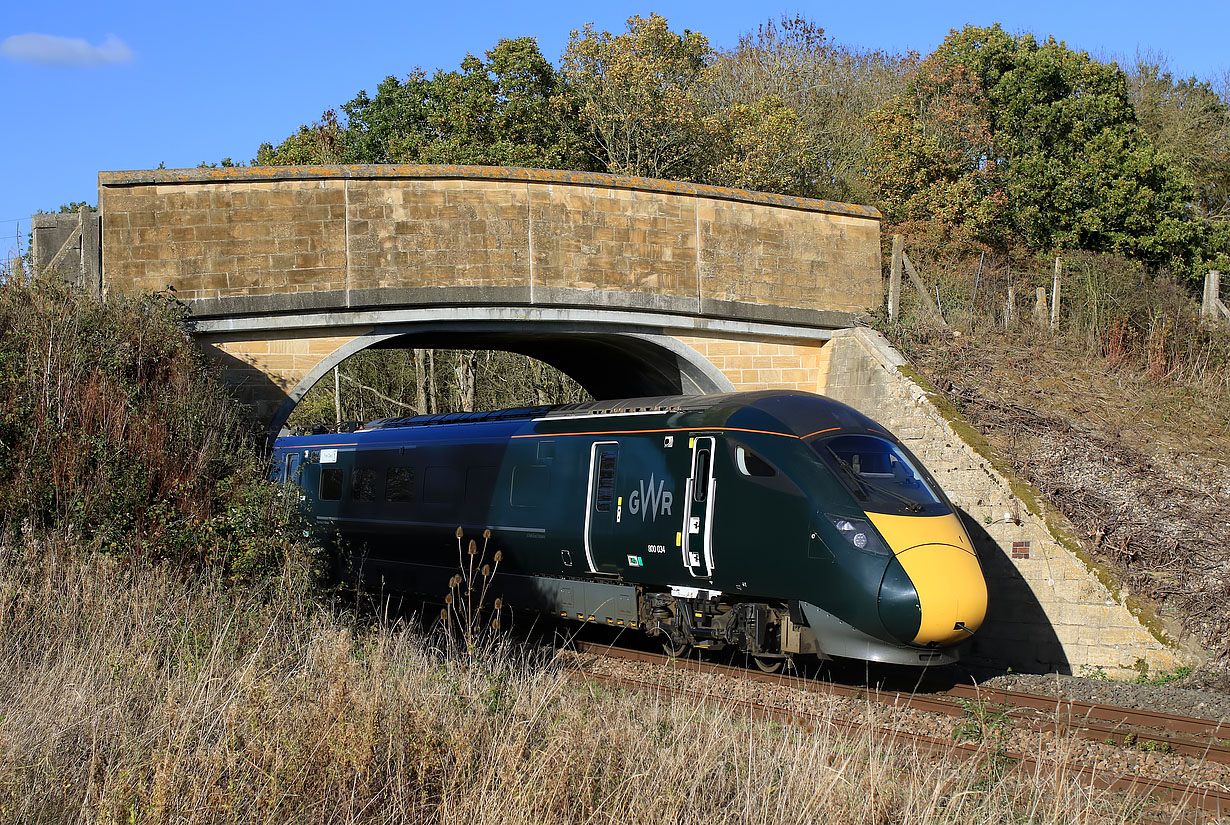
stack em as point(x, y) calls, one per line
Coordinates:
point(777, 523)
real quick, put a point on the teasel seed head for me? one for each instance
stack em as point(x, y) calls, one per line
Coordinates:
point(448, 599)
point(499, 604)
point(495, 623)
point(499, 556)
point(486, 570)
point(487, 533)
point(459, 532)
point(473, 547)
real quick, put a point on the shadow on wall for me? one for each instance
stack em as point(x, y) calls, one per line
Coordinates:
point(1016, 633)
point(248, 384)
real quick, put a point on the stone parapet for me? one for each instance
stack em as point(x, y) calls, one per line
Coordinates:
point(348, 233)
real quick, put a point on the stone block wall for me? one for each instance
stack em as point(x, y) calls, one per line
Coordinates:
point(1049, 610)
point(761, 365)
point(357, 232)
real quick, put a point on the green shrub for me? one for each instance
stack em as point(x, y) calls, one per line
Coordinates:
point(113, 429)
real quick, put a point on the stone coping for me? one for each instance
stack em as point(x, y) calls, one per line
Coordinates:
point(248, 174)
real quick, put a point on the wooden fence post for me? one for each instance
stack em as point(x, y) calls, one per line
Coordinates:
point(1055, 291)
point(1010, 308)
point(922, 288)
point(894, 279)
point(1212, 292)
point(1040, 307)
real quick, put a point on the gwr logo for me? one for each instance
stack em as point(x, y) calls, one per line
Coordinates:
point(651, 500)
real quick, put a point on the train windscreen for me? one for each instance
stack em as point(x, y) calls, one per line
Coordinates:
point(880, 475)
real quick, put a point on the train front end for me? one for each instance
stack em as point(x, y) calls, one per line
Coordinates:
point(931, 594)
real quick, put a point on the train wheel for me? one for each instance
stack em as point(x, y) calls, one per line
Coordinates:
point(768, 665)
point(673, 649)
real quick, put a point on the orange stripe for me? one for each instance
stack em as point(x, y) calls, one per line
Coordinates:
point(818, 432)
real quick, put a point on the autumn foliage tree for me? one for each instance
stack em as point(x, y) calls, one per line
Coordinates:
point(636, 96)
point(504, 110)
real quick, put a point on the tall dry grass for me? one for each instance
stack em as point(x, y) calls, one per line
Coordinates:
point(130, 692)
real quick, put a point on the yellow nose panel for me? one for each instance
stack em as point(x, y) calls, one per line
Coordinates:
point(939, 558)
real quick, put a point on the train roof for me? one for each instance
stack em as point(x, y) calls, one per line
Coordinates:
point(781, 412)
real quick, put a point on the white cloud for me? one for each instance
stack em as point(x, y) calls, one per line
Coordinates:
point(52, 50)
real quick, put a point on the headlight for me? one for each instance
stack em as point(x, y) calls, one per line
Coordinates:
point(861, 535)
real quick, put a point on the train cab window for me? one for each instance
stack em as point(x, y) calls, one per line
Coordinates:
point(880, 474)
point(606, 481)
point(751, 464)
point(363, 485)
point(700, 488)
point(399, 484)
point(331, 479)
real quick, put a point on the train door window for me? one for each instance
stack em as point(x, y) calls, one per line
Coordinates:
point(292, 467)
point(363, 485)
point(331, 479)
point(399, 484)
point(606, 481)
point(441, 485)
point(700, 490)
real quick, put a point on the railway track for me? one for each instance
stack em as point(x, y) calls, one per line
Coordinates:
point(1125, 727)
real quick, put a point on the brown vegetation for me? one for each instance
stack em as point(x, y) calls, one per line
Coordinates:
point(134, 693)
point(1119, 417)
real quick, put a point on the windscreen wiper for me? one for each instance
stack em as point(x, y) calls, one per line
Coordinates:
point(910, 504)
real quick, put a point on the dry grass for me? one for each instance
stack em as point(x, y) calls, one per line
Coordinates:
point(130, 694)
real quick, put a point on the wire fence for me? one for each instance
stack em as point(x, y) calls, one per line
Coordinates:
point(12, 243)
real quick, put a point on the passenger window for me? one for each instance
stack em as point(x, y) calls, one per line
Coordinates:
point(331, 483)
point(752, 465)
point(529, 485)
point(363, 485)
point(399, 484)
point(442, 485)
point(700, 485)
point(606, 481)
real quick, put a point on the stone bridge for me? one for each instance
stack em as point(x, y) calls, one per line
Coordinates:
point(631, 286)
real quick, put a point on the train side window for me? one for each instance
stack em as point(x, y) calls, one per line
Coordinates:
point(752, 465)
point(331, 479)
point(530, 483)
point(700, 486)
point(442, 485)
point(363, 485)
point(606, 481)
point(399, 484)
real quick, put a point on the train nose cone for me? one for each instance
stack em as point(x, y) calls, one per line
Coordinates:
point(951, 592)
point(933, 591)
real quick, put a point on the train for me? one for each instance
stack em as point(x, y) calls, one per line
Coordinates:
point(781, 524)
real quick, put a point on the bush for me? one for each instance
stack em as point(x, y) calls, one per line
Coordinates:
point(113, 429)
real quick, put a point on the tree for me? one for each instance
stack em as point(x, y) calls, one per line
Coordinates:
point(504, 111)
point(1190, 121)
point(1030, 144)
point(635, 96)
point(830, 88)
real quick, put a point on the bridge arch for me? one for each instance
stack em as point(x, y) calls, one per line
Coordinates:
point(624, 363)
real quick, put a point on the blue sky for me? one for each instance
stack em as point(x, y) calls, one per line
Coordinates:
point(96, 86)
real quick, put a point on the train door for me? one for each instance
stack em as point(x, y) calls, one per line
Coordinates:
point(603, 509)
point(698, 512)
point(292, 468)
